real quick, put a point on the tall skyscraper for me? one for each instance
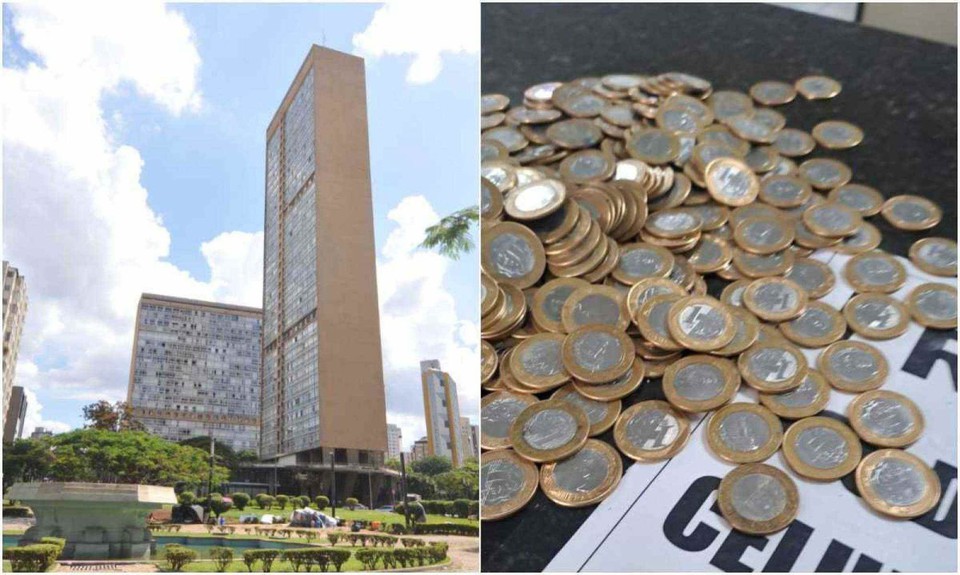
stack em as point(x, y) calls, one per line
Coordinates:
point(322, 394)
point(442, 413)
point(466, 440)
point(420, 449)
point(14, 314)
point(13, 426)
point(394, 441)
point(196, 370)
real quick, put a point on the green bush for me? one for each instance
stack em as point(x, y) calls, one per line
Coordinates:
point(59, 542)
point(266, 557)
point(222, 557)
point(187, 498)
point(461, 508)
point(446, 529)
point(303, 501)
point(322, 502)
point(352, 503)
point(17, 511)
point(219, 505)
point(333, 537)
point(474, 510)
point(337, 557)
point(240, 500)
point(34, 558)
point(369, 558)
point(411, 542)
point(264, 501)
point(178, 556)
point(282, 501)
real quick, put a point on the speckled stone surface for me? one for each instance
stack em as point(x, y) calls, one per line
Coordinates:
point(900, 90)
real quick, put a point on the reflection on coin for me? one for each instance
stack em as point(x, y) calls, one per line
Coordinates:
point(866, 238)
point(897, 483)
point(885, 418)
point(808, 399)
point(700, 383)
point(817, 87)
point(574, 133)
point(597, 353)
point(758, 499)
point(853, 366)
point(673, 223)
point(651, 431)
point(773, 366)
point(824, 174)
point(837, 135)
point(601, 414)
point(772, 93)
point(587, 166)
point(548, 302)
point(763, 235)
point(700, 323)
point(498, 411)
point(744, 433)
point(512, 254)
point(813, 276)
point(731, 182)
point(818, 325)
point(653, 146)
point(757, 266)
point(821, 448)
point(832, 220)
point(911, 213)
point(642, 260)
point(864, 199)
point(774, 299)
point(616, 389)
point(793, 143)
point(934, 305)
point(937, 256)
point(876, 316)
point(646, 288)
point(594, 305)
point(874, 272)
point(549, 430)
point(585, 478)
point(535, 200)
point(507, 483)
point(508, 136)
point(784, 191)
point(535, 362)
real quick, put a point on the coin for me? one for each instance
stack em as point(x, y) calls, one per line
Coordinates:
point(774, 299)
point(498, 411)
point(817, 87)
point(748, 331)
point(597, 353)
point(864, 199)
point(772, 93)
point(758, 499)
point(587, 166)
point(818, 325)
point(535, 200)
point(508, 136)
point(731, 182)
point(640, 261)
point(574, 134)
point(784, 191)
point(832, 220)
point(651, 431)
point(874, 272)
point(756, 265)
point(652, 321)
point(600, 414)
point(897, 483)
point(733, 294)
point(594, 305)
point(700, 383)
point(646, 288)
point(752, 130)
point(488, 361)
point(876, 316)
point(772, 366)
point(548, 302)
point(808, 399)
point(824, 174)
point(744, 433)
point(885, 418)
point(853, 366)
point(569, 219)
point(511, 253)
point(652, 145)
point(866, 238)
point(821, 448)
point(549, 430)
point(490, 103)
point(673, 224)
point(937, 256)
point(793, 143)
point(813, 276)
point(616, 389)
point(911, 213)
point(837, 135)
point(934, 305)
point(728, 104)
point(507, 483)
point(763, 235)
point(536, 363)
point(585, 478)
point(700, 323)
point(710, 255)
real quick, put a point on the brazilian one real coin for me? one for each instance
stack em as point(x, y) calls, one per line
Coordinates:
point(698, 383)
point(701, 323)
point(885, 418)
point(507, 483)
point(651, 431)
point(758, 499)
point(821, 448)
point(897, 483)
point(744, 433)
point(585, 478)
point(549, 430)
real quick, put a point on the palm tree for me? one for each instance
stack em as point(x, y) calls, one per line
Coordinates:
point(451, 235)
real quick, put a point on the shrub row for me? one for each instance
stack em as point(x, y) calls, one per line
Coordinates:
point(459, 508)
point(16, 511)
point(34, 558)
point(362, 539)
point(402, 557)
point(321, 557)
point(177, 556)
point(265, 501)
point(162, 527)
point(446, 529)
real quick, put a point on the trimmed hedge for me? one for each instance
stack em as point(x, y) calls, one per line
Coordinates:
point(34, 558)
point(459, 508)
point(321, 557)
point(402, 557)
point(446, 529)
point(17, 511)
point(222, 557)
point(266, 557)
point(177, 556)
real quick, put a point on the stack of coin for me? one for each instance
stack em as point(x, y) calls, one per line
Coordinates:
point(606, 205)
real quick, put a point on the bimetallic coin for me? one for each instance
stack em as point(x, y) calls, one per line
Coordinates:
point(733, 294)
point(864, 199)
point(772, 93)
point(491, 200)
point(832, 220)
point(763, 235)
point(821, 448)
point(535, 200)
point(731, 182)
point(818, 325)
point(585, 478)
point(653, 146)
point(853, 366)
point(710, 255)
point(700, 323)
point(498, 411)
point(490, 103)
point(488, 361)
point(616, 389)
point(897, 483)
point(911, 213)
point(885, 418)
point(588, 166)
point(641, 261)
point(507, 483)
point(937, 256)
point(594, 305)
point(757, 266)
point(837, 135)
point(784, 191)
point(651, 431)
point(492, 121)
point(817, 87)
point(548, 302)
point(774, 299)
point(758, 499)
point(508, 136)
point(772, 366)
point(700, 383)
point(772, 118)
point(874, 272)
point(876, 316)
point(751, 130)
point(652, 320)
point(793, 143)
point(808, 399)
point(549, 430)
point(813, 276)
point(727, 104)
point(673, 224)
point(866, 238)
point(512, 254)
point(536, 363)
point(934, 305)
point(645, 289)
point(540, 94)
point(744, 433)
point(748, 331)
point(824, 174)
point(601, 414)
point(574, 134)
point(597, 353)
point(762, 159)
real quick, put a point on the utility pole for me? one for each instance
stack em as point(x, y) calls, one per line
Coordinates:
point(210, 478)
point(333, 482)
point(403, 489)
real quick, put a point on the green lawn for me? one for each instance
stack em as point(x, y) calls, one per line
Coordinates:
point(278, 567)
point(342, 513)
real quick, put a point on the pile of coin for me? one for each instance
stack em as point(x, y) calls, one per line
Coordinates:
point(607, 204)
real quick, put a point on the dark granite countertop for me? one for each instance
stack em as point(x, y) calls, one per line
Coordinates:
point(900, 90)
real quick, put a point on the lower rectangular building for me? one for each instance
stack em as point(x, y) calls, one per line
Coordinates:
point(16, 413)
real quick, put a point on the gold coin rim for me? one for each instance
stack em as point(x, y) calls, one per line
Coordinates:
point(556, 494)
point(508, 508)
point(760, 385)
point(744, 525)
point(762, 453)
point(839, 327)
point(627, 448)
point(840, 384)
point(530, 453)
point(604, 376)
point(673, 324)
point(873, 333)
point(731, 383)
point(847, 466)
point(751, 303)
point(855, 416)
point(929, 500)
point(491, 443)
point(769, 400)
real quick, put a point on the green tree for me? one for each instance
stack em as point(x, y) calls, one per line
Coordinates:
point(352, 503)
point(282, 501)
point(322, 502)
point(107, 416)
point(451, 235)
point(240, 500)
point(219, 505)
point(462, 483)
point(27, 460)
point(392, 463)
point(187, 498)
point(432, 465)
point(421, 484)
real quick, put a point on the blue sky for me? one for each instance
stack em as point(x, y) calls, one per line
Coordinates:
point(202, 169)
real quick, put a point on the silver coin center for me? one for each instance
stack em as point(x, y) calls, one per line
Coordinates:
point(701, 321)
point(542, 358)
point(744, 431)
point(897, 482)
point(500, 481)
point(652, 430)
point(549, 429)
point(581, 473)
point(854, 364)
point(499, 415)
point(821, 447)
point(758, 497)
point(773, 365)
point(699, 382)
point(597, 351)
point(512, 255)
point(886, 417)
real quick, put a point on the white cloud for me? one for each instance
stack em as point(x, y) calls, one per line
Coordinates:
point(418, 321)
point(423, 31)
point(77, 221)
point(33, 420)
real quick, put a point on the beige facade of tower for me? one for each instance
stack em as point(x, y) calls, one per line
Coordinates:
point(322, 383)
point(441, 410)
point(14, 315)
